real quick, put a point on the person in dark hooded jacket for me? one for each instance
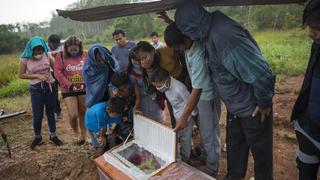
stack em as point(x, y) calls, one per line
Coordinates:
point(245, 82)
point(97, 71)
point(305, 112)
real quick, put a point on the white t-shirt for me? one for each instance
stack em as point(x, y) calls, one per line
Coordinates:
point(157, 45)
point(178, 95)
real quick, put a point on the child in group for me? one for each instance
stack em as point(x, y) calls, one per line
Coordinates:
point(123, 86)
point(101, 119)
point(177, 94)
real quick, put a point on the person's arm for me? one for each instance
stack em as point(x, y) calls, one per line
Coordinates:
point(184, 95)
point(247, 64)
point(137, 105)
point(102, 137)
point(52, 59)
point(165, 17)
point(24, 75)
point(191, 105)
point(58, 73)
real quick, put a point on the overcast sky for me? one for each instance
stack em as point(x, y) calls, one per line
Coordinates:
point(13, 11)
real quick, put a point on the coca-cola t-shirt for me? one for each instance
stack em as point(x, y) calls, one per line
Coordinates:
point(68, 71)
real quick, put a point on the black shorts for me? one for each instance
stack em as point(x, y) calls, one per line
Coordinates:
point(71, 94)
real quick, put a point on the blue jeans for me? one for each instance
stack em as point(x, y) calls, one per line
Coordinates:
point(185, 140)
point(209, 116)
point(42, 98)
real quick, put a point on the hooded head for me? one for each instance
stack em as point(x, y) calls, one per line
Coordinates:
point(98, 54)
point(34, 42)
point(192, 19)
point(99, 57)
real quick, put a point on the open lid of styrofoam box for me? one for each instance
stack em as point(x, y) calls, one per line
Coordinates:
point(150, 135)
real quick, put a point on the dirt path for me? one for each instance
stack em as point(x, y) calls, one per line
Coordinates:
point(73, 162)
point(47, 161)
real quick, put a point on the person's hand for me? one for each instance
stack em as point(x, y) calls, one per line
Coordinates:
point(102, 139)
point(82, 87)
point(264, 113)
point(115, 92)
point(164, 16)
point(76, 88)
point(182, 122)
point(138, 112)
point(42, 77)
point(54, 53)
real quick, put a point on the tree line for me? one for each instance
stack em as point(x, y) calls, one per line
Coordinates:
point(255, 18)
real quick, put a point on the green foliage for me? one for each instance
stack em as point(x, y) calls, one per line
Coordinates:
point(255, 18)
point(14, 88)
point(10, 84)
point(10, 41)
point(265, 17)
point(287, 51)
point(132, 23)
point(9, 68)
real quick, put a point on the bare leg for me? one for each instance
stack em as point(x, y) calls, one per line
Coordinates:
point(72, 107)
point(82, 111)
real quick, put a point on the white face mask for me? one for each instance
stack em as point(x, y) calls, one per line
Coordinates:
point(38, 57)
point(136, 66)
point(163, 88)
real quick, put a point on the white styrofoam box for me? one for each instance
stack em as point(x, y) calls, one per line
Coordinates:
point(152, 136)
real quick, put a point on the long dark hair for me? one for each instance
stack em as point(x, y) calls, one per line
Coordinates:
point(147, 47)
point(132, 55)
point(72, 40)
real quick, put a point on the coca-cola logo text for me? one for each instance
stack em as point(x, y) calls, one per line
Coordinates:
point(72, 67)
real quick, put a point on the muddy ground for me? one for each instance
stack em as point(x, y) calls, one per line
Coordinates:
point(74, 162)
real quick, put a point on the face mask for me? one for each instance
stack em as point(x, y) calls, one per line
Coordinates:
point(38, 57)
point(163, 88)
point(74, 53)
point(136, 66)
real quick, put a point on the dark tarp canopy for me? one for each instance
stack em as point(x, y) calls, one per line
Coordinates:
point(120, 10)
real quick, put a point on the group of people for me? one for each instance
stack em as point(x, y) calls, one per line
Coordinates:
point(207, 58)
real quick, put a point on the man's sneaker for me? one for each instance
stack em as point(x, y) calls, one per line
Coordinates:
point(55, 140)
point(36, 142)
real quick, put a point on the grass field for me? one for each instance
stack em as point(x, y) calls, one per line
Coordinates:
point(10, 84)
point(287, 52)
